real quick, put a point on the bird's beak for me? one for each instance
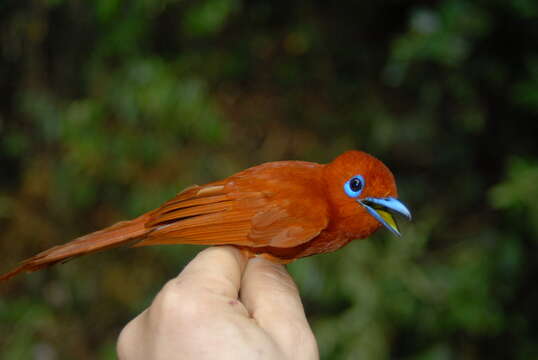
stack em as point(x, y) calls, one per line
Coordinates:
point(383, 208)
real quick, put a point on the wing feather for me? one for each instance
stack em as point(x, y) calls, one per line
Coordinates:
point(183, 213)
point(262, 206)
point(188, 203)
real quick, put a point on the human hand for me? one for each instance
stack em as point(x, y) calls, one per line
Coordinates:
point(222, 306)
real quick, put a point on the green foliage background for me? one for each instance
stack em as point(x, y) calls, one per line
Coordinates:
point(110, 107)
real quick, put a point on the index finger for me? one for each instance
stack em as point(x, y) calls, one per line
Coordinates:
point(216, 269)
point(185, 308)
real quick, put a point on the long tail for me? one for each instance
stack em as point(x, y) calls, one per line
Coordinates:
point(122, 233)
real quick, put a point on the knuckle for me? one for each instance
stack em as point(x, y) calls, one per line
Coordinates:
point(122, 347)
point(125, 340)
point(175, 304)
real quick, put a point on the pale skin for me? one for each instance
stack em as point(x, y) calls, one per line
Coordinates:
point(223, 306)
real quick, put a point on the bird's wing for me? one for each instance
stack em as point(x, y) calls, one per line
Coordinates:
point(274, 204)
point(251, 209)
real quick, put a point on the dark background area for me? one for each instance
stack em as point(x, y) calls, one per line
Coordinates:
point(110, 107)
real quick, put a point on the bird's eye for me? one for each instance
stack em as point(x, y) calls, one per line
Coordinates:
point(353, 187)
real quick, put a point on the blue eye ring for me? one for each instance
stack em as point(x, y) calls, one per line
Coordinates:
point(353, 187)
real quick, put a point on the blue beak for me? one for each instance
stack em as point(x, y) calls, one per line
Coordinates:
point(383, 208)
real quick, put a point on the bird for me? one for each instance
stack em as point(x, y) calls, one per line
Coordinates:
point(282, 211)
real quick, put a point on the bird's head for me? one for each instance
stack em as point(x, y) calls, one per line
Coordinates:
point(363, 195)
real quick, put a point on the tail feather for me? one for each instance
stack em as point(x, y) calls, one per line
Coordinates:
point(122, 233)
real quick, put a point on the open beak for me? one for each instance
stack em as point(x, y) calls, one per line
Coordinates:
point(383, 208)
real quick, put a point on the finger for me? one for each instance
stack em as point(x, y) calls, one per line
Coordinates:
point(209, 284)
point(272, 298)
point(216, 270)
point(133, 340)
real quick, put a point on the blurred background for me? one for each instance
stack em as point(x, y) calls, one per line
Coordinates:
point(110, 107)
